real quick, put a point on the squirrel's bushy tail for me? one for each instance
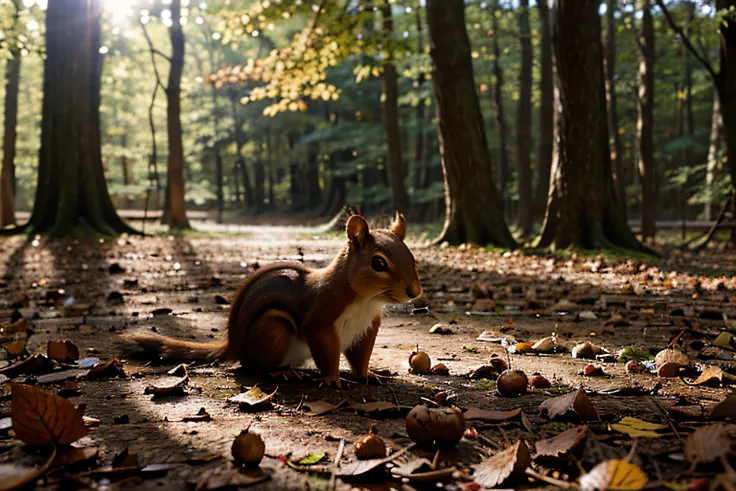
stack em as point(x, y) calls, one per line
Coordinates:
point(156, 346)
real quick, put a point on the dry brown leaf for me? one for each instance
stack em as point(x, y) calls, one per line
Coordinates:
point(170, 386)
point(725, 409)
point(563, 444)
point(42, 418)
point(485, 415)
point(253, 400)
point(511, 462)
point(359, 467)
point(576, 402)
point(319, 408)
point(62, 350)
point(14, 348)
point(671, 355)
point(372, 408)
point(110, 368)
point(17, 477)
point(75, 455)
point(708, 444)
point(586, 350)
point(712, 375)
point(18, 326)
point(125, 458)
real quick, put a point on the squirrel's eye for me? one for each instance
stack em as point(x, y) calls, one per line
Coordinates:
point(379, 264)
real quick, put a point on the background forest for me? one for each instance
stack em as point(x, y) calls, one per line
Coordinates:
point(303, 106)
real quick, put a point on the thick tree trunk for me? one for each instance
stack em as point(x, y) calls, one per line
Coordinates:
point(645, 124)
point(619, 179)
point(727, 83)
point(391, 126)
point(7, 172)
point(71, 195)
point(524, 125)
point(177, 216)
point(582, 209)
point(688, 86)
point(716, 137)
point(545, 144)
point(473, 209)
point(500, 119)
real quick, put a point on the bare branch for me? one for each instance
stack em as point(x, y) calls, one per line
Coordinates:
point(165, 57)
point(686, 41)
point(153, 58)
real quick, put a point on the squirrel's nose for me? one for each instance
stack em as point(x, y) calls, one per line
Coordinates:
point(413, 291)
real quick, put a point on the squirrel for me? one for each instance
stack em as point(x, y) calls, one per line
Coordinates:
point(286, 312)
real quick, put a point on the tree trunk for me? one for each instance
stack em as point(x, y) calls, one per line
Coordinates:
point(688, 86)
point(727, 83)
point(294, 187)
point(716, 137)
point(220, 184)
point(239, 162)
point(7, 172)
point(582, 210)
point(645, 124)
point(314, 192)
point(545, 144)
point(391, 126)
point(473, 209)
point(177, 216)
point(524, 125)
point(71, 195)
point(259, 178)
point(500, 116)
point(420, 147)
point(619, 179)
point(270, 170)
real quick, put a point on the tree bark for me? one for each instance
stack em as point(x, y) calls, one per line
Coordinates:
point(524, 125)
point(726, 84)
point(239, 161)
point(473, 209)
point(270, 170)
point(582, 210)
point(314, 192)
point(7, 172)
point(545, 144)
point(71, 194)
point(645, 124)
point(500, 117)
point(259, 177)
point(619, 179)
point(391, 126)
point(177, 216)
point(716, 136)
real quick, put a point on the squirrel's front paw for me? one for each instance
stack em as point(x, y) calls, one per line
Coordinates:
point(330, 381)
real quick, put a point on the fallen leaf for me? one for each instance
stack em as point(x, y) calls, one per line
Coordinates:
point(125, 459)
point(488, 371)
point(576, 402)
point(253, 400)
point(359, 467)
point(726, 340)
point(487, 415)
point(708, 444)
point(14, 476)
point(88, 362)
point(42, 418)
point(172, 387)
point(634, 432)
point(312, 459)
point(671, 355)
point(563, 444)
point(585, 350)
point(15, 348)
point(110, 368)
point(712, 375)
point(75, 455)
point(725, 409)
point(231, 479)
point(511, 462)
point(639, 424)
point(614, 475)
point(18, 326)
point(62, 351)
point(202, 415)
point(161, 311)
point(319, 408)
point(545, 345)
point(440, 328)
point(521, 348)
point(373, 408)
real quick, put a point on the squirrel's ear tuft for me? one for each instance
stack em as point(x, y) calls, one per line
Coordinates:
point(399, 226)
point(357, 230)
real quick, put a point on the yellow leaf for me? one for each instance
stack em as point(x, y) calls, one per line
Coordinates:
point(614, 475)
point(633, 432)
point(639, 424)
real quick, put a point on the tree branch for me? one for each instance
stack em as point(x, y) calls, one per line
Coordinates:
point(153, 58)
point(165, 57)
point(686, 41)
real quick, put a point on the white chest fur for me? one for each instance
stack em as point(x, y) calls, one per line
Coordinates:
point(351, 326)
point(355, 321)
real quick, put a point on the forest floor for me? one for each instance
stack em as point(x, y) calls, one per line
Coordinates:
point(89, 291)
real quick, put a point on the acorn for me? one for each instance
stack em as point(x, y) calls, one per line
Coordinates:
point(419, 362)
point(248, 449)
point(443, 427)
point(512, 383)
point(370, 446)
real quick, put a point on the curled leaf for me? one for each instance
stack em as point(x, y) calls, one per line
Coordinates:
point(575, 403)
point(563, 444)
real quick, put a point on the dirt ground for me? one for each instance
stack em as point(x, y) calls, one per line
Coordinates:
point(90, 291)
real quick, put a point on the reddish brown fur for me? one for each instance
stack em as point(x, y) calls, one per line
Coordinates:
point(286, 299)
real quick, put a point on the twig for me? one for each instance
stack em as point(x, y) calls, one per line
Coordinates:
point(488, 441)
point(632, 451)
point(336, 462)
point(301, 402)
point(667, 417)
point(436, 459)
point(550, 480)
point(686, 41)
